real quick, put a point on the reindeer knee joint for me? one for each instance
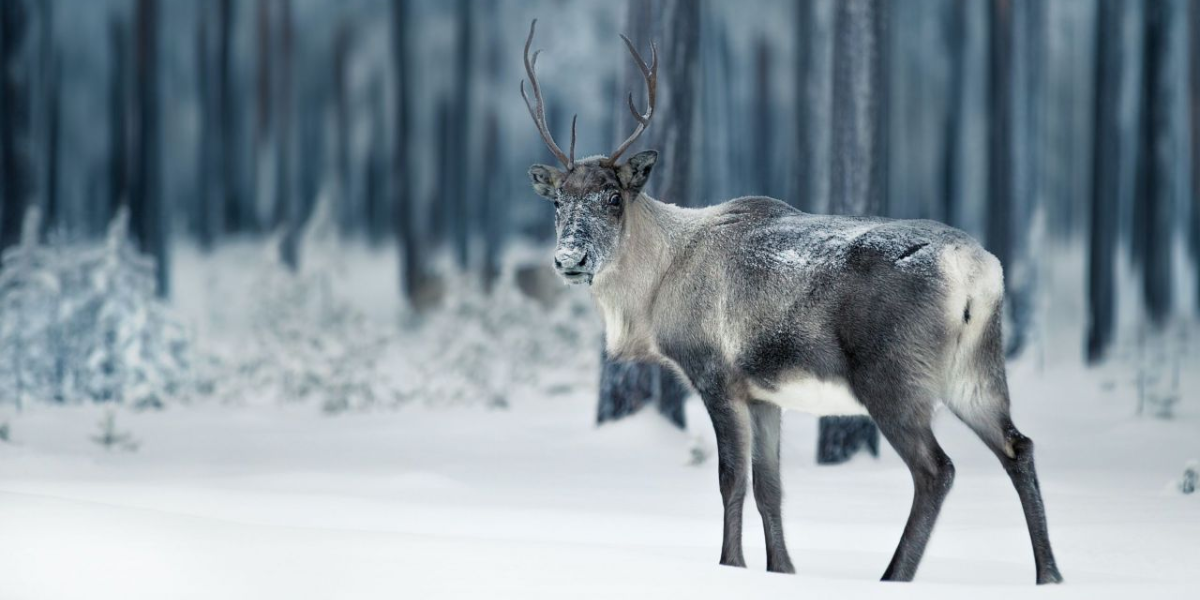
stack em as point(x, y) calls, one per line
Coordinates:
point(1018, 447)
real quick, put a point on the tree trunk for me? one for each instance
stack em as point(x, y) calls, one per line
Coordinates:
point(672, 132)
point(118, 111)
point(460, 192)
point(1014, 31)
point(763, 148)
point(208, 207)
point(1152, 210)
point(235, 218)
point(413, 276)
point(288, 215)
point(54, 211)
point(1105, 158)
point(1194, 112)
point(147, 215)
point(15, 175)
point(952, 187)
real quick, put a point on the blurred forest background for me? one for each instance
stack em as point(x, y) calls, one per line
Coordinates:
point(140, 140)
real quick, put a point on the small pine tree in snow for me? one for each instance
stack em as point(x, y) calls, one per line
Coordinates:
point(1191, 478)
point(29, 293)
point(111, 438)
point(134, 351)
point(84, 324)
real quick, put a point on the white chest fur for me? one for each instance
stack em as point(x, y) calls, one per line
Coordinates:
point(806, 393)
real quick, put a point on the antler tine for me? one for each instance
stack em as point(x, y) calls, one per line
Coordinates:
point(650, 74)
point(573, 119)
point(538, 111)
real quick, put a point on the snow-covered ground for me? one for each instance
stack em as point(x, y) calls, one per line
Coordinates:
point(269, 500)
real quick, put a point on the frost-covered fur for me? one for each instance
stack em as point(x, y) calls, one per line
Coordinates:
point(760, 306)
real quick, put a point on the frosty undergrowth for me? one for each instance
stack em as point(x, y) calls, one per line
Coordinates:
point(83, 323)
point(308, 339)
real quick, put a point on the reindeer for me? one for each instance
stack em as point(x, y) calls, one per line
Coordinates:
point(762, 307)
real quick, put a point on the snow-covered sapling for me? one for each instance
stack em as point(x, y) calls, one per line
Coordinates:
point(1191, 477)
point(762, 307)
point(110, 438)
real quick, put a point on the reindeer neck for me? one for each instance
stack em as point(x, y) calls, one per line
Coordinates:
point(653, 235)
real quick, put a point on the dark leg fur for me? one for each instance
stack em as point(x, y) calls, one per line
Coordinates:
point(903, 411)
point(988, 416)
point(732, 424)
point(932, 474)
point(1015, 452)
point(768, 490)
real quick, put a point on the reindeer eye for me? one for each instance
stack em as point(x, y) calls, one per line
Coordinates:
point(556, 205)
point(614, 200)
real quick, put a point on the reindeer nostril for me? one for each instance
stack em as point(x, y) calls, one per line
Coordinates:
point(557, 263)
point(583, 260)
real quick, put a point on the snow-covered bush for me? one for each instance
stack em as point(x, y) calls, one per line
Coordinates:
point(1191, 478)
point(479, 348)
point(83, 323)
point(306, 340)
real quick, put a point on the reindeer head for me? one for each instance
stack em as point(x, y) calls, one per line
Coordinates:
point(590, 197)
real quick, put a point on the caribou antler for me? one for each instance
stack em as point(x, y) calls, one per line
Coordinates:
point(650, 73)
point(538, 112)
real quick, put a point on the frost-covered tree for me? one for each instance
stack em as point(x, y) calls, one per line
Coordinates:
point(81, 324)
point(28, 290)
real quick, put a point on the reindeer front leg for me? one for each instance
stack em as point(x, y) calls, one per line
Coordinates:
point(731, 420)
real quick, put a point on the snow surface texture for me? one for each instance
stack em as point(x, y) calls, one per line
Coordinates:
point(456, 497)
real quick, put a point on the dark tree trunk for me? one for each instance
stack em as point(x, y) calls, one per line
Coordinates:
point(672, 132)
point(491, 213)
point(803, 187)
point(236, 217)
point(118, 111)
point(147, 216)
point(1014, 31)
point(413, 276)
point(15, 175)
point(858, 183)
point(208, 206)
point(263, 76)
point(440, 213)
point(721, 155)
point(349, 218)
point(288, 215)
point(952, 185)
point(763, 148)
point(459, 193)
point(1105, 158)
point(625, 387)
point(51, 101)
point(1152, 210)
point(1000, 110)
point(376, 171)
point(1194, 112)
point(54, 211)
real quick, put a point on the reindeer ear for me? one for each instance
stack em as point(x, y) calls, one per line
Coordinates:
point(636, 171)
point(545, 180)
